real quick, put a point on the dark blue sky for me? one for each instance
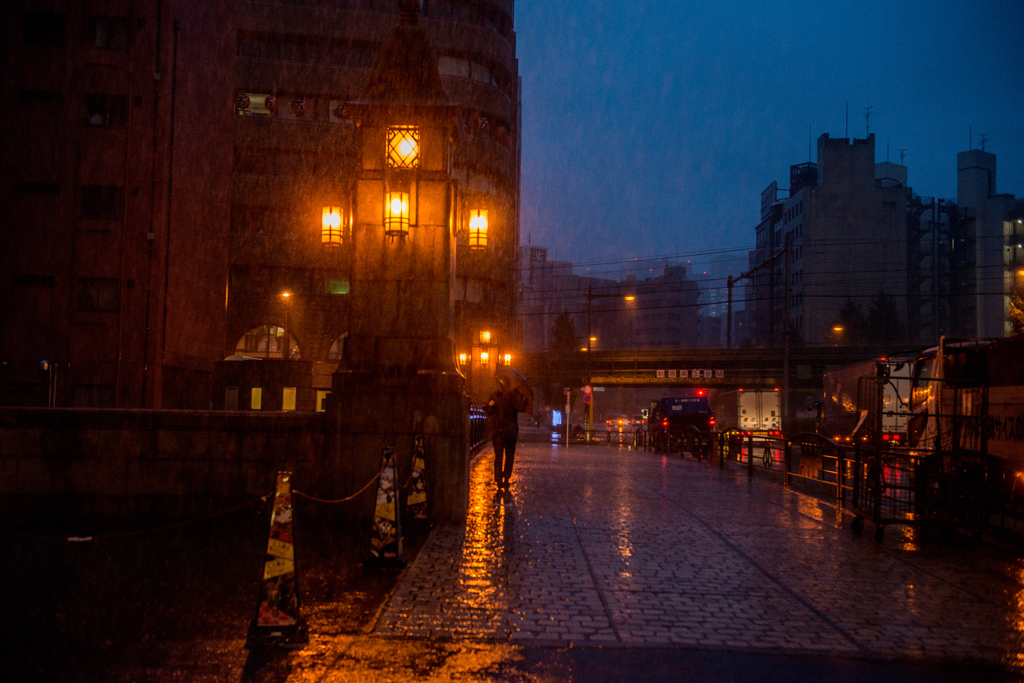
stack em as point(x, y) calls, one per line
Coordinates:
point(651, 127)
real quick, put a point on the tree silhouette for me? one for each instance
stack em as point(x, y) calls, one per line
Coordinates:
point(853, 323)
point(1016, 310)
point(563, 334)
point(563, 345)
point(884, 324)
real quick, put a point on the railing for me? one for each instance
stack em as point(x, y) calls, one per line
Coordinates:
point(477, 428)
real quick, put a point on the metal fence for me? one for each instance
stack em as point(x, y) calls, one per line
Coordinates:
point(477, 428)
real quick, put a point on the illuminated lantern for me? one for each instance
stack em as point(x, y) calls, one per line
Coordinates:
point(484, 356)
point(478, 229)
point(396, 214)
point(508, 359)
point(462, 359)
point(330, 230)
point(485, 337)
point(403, 147)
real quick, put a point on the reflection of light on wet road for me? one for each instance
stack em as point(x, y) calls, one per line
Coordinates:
point(1015, 650)
point(483, 570)
point(819, 511)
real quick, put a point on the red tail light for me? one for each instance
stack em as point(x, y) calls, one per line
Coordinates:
point(664, 423)
point(711, 421)
point(885, 437)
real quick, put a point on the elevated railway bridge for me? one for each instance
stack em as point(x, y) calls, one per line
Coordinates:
point(748, 368)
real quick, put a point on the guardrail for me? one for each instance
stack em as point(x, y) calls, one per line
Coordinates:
point(477, 429)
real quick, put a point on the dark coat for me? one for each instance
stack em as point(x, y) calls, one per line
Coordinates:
point(502, 413)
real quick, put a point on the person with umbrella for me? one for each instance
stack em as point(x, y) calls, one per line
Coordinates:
point(512, 397)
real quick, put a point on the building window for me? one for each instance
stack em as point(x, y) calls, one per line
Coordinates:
point(102, 202)
point(337, 348)
point(39, 188)
point(42, 96)
point(109, 33)
point(230, 398)
point(107, 111)
point(336, 285)
point(256, 401)
point(97, 294)
point(33, 280)
point(268, 341)
point(45, 29)
point(92, 396)
point(288, 398)
point(453, 66)
point(321, 400)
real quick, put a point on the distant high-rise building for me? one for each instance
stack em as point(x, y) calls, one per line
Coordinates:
point(630, 313)
point(116, 184)
point(844, 223)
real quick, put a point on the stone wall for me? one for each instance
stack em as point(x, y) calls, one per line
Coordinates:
point(74, 463)
point(82, 464)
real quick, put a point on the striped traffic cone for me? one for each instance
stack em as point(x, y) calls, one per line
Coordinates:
point(386, 539)
point(277, 619)
point(416, 503)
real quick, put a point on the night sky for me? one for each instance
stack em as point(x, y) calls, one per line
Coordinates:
point(650, 127)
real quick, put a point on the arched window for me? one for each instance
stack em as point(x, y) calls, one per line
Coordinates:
point(268, 341)
point(338, 347)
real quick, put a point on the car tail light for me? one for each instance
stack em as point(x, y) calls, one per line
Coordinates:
point(885, 437)
point(711, 421)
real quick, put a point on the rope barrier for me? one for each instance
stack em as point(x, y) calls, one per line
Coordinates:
point(126, 534)
point(339, 500)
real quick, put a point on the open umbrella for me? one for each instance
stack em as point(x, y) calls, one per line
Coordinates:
point(510, 379)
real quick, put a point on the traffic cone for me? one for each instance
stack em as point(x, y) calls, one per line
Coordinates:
point(416, 503)
point(277, 619)
point(386, 540)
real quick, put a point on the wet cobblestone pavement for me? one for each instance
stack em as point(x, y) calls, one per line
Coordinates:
point(601, 546)
point(603, 565)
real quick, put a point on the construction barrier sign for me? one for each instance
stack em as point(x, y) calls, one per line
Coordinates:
point(277, 617)
point(386, 543)
point(417, 501)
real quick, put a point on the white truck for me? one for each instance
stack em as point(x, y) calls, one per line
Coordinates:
point(753, 411)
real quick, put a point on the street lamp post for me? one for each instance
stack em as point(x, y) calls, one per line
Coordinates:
point(590, 338)
point(286, 296)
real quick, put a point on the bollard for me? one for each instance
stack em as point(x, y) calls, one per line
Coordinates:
point(386, 540)
point(277, 619)
point(839, 475)
point(750, 455)
point(786, 453)
point(416, 503)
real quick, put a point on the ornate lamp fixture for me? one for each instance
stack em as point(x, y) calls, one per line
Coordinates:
point(478, 229)
point(403, 158)
point(330, 230)
point(403, 147)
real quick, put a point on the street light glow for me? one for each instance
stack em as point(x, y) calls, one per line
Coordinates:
point(630, 297)
point(837, 328)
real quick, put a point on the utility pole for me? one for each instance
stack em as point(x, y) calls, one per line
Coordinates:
point(732, 281)
point(784, 408)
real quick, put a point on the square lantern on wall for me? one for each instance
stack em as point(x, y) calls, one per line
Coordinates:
point(477, 229)
point(330, 226)
point(403, 147)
